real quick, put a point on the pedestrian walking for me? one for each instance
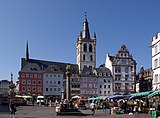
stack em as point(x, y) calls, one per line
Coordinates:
point(33, 100)
point(50, 103)
point(46, 102)
point(104, 105)
point(93, 107)
point(12, 108)
point(40, 102)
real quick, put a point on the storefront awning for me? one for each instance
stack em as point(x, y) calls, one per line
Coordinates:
point(119, 96)
point(154, 94)
point(97, 98)
point(142, 93)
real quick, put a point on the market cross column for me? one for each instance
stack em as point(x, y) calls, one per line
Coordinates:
point(68, 75)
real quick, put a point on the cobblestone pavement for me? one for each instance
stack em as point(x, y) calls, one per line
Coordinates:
point(49, 112)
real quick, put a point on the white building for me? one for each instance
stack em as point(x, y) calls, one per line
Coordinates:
point(123, 69)
point(156, 61)
point(52, 81)
point(105, 81)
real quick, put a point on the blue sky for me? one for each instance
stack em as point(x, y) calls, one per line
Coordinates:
point(52, 27)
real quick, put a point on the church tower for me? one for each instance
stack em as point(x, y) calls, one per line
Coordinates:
point(86, 48)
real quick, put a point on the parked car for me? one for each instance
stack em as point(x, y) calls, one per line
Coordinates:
point(40, 100)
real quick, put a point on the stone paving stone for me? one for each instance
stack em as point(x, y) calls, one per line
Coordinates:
point(49, 112)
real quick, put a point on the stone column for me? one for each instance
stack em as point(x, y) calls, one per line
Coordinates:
point(68, 75)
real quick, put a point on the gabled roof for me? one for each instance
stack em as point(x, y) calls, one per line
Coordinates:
point(123, 49)
point(44, 65)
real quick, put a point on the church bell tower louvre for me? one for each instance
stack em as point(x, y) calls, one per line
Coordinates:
point(86, 48)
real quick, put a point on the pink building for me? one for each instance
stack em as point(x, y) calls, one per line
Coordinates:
point(88, 83)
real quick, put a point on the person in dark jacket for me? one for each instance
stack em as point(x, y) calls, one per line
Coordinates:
point(12, 108)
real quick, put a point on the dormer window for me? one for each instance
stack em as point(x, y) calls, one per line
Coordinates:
point(109, 74)
point(35, 69)
point(53, 69)
point(87, 73)
point(100, 74)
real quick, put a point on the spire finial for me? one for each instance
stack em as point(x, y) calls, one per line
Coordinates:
point(86, 33)
point(85, 14)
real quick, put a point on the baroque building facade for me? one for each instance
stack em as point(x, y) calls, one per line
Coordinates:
point(123, 69)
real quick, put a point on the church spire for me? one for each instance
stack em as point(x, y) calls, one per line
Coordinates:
point(11, 78)
point(86, 33)
point(27, 52)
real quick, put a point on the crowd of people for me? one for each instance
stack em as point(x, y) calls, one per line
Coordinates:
point(119, 105)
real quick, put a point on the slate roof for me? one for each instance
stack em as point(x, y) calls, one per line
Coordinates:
point(43, 65)
point(31, 67)
point(53, 69)
point(87, 72)
point(103, 70)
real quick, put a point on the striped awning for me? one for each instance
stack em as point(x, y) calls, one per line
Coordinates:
point(154, 94)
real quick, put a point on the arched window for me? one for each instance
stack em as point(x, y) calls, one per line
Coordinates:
point(84, 57)
point(91, 58)
point(85, 47)
point(90, 48)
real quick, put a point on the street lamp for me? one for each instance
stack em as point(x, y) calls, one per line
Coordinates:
point(68, 75)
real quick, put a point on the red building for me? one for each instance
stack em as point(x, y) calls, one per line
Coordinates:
point(31, 80)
